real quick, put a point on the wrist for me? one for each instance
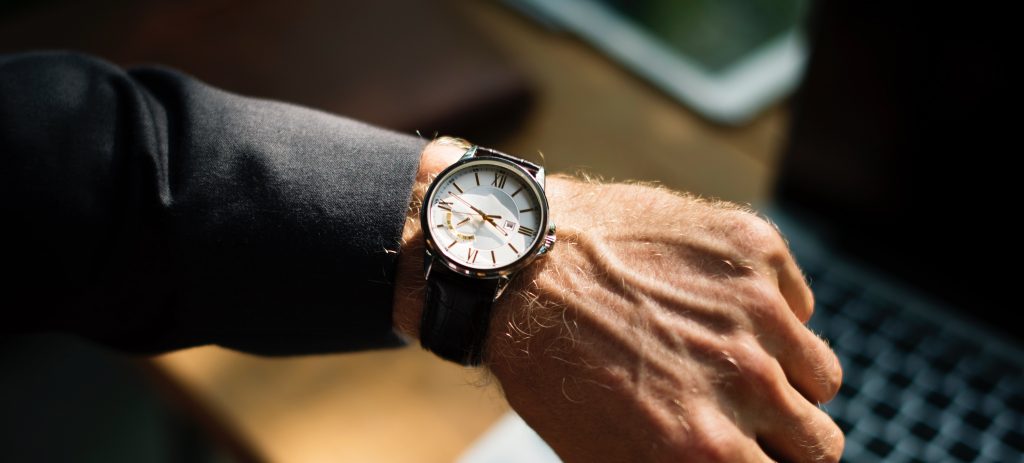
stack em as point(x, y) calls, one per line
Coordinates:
point(529, 303)
point(410, 287)
point(410, 284)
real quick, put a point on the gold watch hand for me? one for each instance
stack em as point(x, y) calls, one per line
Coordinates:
point(496, 227)
point(478, 211)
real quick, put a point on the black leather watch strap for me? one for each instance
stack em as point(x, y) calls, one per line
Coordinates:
point(456, 316)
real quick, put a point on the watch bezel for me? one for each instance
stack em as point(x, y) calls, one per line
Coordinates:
point(434, 253)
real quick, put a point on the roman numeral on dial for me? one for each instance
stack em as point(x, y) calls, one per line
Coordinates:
point(527, 231)
point(471, 255)
point(444, 205)
point(499, 180)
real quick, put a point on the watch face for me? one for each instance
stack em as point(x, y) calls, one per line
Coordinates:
point(485, 215)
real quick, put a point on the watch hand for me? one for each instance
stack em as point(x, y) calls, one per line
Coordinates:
point(462, 221)
point(496, 227)
point(483, 214)
point(478, 211)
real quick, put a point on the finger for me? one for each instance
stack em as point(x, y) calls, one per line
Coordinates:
point(718, 439)
point(809, 364)
point(801, 432)
point(751, 451)
point(794, 288)
point(791, 280)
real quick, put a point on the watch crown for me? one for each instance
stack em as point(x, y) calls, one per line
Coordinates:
point(549, 241)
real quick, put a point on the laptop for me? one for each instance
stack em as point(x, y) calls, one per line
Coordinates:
point(691, 50)
point(890, 152)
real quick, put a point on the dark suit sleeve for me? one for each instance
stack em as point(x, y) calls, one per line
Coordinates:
point(148, 211)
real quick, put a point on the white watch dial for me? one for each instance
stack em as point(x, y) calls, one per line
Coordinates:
point(485, 215)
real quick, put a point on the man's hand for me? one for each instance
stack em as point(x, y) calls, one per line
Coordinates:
point(661, 327)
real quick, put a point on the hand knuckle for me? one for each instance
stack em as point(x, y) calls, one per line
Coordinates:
point(824, 365)
point(748, 353)
point(765, 303)
point(831, 445)
point(811, 302)
point(831, 375)
point(761, 233)
point(712, 443)
point(822, 440)
point(759, 370)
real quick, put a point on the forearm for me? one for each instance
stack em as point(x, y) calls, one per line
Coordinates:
point(149, 211)
point(410, 286)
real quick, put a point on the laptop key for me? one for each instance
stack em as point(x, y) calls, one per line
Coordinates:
point(900, 380)
point(924, 431)
point(938, 399)
point(1016, 403)
point(879, 447)
point(885, 410)
point(1015, 439)
point(963, 452)
point(979, 421)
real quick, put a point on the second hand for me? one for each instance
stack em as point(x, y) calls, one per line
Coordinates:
point(482, 214)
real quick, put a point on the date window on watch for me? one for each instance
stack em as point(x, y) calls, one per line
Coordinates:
point(509, 225)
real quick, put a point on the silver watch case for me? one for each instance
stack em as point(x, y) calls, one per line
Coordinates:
point(540, 247)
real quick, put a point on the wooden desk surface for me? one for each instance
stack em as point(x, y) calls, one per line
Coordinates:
point(405, 405)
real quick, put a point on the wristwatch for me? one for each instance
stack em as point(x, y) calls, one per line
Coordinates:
point(484, 218)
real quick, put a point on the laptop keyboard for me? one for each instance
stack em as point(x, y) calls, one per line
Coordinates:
point(913, 389)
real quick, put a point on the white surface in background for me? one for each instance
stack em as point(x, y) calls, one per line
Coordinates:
point(733, 96)
point(510, 440)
